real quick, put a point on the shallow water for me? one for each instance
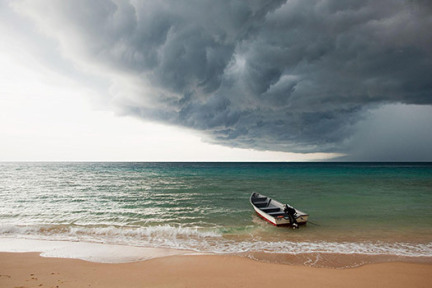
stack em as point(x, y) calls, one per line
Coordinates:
point(376, 210)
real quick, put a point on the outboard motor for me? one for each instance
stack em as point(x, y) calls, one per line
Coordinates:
point(290, 213)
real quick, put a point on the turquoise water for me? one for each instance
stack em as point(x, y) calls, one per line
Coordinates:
point(361, 208)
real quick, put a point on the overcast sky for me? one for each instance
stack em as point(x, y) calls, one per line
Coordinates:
point(216, 80)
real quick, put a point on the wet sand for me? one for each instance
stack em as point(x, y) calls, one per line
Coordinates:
point(32, 270)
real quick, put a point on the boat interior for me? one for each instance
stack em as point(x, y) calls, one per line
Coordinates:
point(265, 204)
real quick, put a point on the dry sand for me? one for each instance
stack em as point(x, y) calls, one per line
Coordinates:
point(31, 270)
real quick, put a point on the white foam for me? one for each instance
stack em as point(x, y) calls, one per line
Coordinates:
point(94, 252)
point(205, 240)
point(365, 248)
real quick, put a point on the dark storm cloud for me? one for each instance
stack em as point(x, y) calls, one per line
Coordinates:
point(276, 75)
point(394, 132)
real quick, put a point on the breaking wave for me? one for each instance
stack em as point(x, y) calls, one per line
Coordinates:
point(207, 240)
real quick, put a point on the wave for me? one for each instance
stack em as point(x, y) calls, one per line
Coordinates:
point(207, 240)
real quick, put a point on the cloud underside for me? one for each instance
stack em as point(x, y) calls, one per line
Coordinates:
point(273, 75)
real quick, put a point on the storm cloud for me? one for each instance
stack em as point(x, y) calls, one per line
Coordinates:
point(272, 75)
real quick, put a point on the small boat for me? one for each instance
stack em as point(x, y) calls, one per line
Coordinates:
point(277, 213)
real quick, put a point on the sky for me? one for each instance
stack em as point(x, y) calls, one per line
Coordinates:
point(216, 80)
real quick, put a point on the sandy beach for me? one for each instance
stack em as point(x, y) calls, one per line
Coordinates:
point(32, 270)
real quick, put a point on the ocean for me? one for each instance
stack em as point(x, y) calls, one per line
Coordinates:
point(359, 212)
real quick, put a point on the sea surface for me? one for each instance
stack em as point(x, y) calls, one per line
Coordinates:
point(359, 212)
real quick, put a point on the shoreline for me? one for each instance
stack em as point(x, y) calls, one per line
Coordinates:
point(87, 251)
point(98, 252)
point(32, 270)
